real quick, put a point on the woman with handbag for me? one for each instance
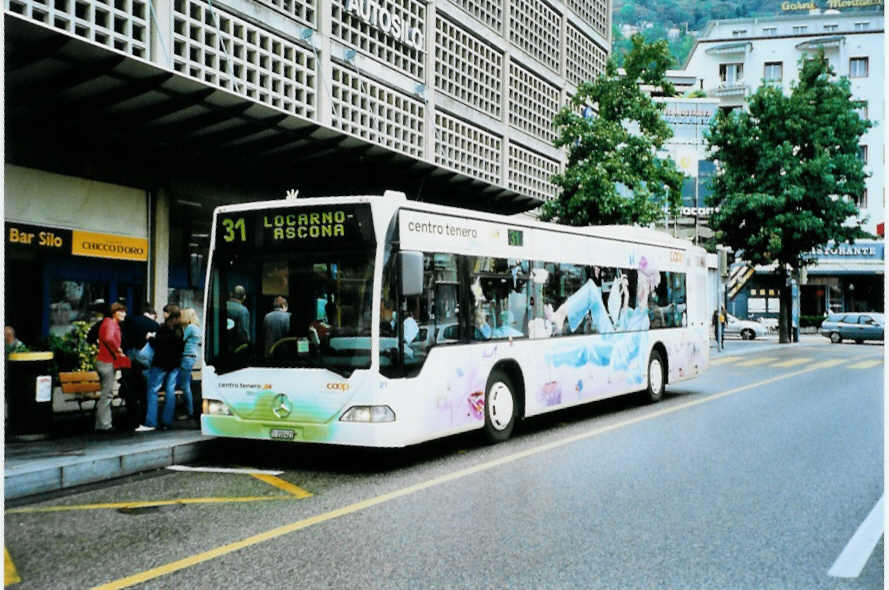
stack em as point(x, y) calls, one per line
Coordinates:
point(110, 358)
point(167, 345)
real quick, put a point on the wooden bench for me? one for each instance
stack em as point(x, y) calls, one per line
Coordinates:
point(81, 386)
point(85, 386)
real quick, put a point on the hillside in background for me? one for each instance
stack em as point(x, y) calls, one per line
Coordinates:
point(655, 19)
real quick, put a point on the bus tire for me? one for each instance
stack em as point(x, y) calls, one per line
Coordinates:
point(657, 378)
point(501, 407)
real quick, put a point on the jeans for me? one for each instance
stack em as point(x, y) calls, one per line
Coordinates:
point(156, 378)
point(185, 383)
point(103, 404)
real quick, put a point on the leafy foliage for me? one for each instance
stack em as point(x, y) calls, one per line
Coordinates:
point(72, 351)
point(617, 145)
point(789, 170)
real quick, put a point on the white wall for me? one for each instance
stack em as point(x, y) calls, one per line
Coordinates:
point(43, 198)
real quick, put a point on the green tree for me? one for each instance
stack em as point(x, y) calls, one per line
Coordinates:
point(617, 145)
point(789, 172)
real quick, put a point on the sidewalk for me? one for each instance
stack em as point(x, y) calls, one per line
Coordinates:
point(35, 467)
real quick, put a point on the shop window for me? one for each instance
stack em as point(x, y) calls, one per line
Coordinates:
point(75, 301)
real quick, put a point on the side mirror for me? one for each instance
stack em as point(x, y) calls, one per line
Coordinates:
point(411, 267)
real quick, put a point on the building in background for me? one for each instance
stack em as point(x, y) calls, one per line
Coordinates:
point(128, 122)
point(732, 58)
point(689, 118)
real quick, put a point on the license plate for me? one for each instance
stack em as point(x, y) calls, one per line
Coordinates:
point(282, 434)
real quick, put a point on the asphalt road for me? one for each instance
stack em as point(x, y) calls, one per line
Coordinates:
point(761, 474)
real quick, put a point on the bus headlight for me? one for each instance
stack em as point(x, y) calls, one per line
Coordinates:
point(216, 407)
point(368, 414)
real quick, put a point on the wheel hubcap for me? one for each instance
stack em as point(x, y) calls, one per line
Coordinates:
point(655, 377)
point(500, 405)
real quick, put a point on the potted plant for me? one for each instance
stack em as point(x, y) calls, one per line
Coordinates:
point(72, 351)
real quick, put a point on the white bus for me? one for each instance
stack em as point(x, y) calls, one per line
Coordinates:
point(406, 321)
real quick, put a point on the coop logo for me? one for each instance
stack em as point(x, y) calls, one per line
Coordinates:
point(338, 386)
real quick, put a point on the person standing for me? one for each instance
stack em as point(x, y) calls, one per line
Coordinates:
point(109, 350)
point(191, 335)
point(720, 329)
point(239, 314)
point(168, 345)
point(136, 331)
point(276, 324)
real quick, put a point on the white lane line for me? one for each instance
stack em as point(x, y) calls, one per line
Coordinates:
point(222, 470)
point(859, 548)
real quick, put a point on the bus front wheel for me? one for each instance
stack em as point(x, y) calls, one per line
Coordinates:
point(656, 378)
point(500, 407)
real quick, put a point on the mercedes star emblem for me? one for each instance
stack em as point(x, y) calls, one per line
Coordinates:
point(281, 406)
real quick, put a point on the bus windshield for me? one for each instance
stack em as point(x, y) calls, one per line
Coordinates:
point(298, 303)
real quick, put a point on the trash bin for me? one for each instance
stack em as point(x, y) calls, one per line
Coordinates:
point(29, 395)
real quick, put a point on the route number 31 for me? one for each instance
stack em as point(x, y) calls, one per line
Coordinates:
point(233, 226)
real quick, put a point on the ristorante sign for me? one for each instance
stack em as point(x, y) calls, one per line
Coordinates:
point(77, 242)
point(380, 17)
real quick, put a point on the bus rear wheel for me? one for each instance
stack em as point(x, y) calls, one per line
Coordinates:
point(657, 378)
point(500, 407)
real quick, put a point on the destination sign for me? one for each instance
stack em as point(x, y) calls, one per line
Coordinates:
point(286, 228)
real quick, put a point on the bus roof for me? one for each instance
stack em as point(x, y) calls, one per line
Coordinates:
point(642, 235)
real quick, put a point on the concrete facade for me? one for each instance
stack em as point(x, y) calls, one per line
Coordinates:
point(196, 103)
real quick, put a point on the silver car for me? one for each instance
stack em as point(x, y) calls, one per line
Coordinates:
point(854, 326)
point(746, 329)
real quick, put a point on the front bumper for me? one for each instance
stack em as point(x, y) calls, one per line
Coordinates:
point(334, 432)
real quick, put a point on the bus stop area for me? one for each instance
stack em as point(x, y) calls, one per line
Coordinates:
point(57, 464)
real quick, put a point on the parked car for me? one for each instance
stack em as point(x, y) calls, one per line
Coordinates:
point(854, 326)
point(746, 329)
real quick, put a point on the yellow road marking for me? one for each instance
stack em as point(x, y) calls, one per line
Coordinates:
point(147, 503)
point(283, 485)
point(723, 360)
point(413, 489)
point(866, 364)
point(757, 361)
point(828, 363)
point(792, 362)
point(10, 575)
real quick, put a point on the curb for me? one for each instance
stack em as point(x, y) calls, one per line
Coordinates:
point(60, 469)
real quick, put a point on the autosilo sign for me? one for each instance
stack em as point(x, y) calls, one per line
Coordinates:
point(379, 16)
